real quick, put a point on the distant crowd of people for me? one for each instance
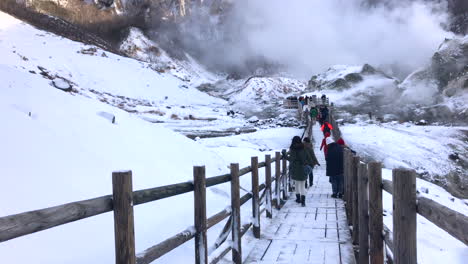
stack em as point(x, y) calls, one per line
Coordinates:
point(303, 159)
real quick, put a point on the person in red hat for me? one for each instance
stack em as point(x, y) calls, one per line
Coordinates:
point(341, 142)
point(324, 144)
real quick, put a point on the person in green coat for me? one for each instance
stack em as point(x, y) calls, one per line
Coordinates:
point(297, 157)
point(313, 113)
point(311, 160)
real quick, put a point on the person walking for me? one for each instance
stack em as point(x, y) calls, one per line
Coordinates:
point(324, 144)
point(313, 114)
point(334, 160)
point(311, 161)
point(323, 114)
point(326, 128)
point(297, 158)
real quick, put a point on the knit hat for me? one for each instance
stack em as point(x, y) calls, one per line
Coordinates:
point(340, 141)
point(329, 140)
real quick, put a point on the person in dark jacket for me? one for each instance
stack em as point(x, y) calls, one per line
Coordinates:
point(323, 114)
point(311, 161)
point(297, 156)
point(334, 170)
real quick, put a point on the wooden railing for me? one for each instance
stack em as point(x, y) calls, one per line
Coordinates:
point(124, 198)
point(363, 187)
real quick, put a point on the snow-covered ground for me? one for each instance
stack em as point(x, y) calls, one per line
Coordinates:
point(59, 147)
point(404, 145)
point(425, 149)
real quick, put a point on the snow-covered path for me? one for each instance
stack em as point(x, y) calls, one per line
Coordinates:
point(317, 233)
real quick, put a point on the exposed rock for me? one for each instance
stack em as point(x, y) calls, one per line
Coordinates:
point(339, 84)
point(353, 77)
point(367, 69)
point(62, 84)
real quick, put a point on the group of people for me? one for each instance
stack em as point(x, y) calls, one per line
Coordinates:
point(303, 160)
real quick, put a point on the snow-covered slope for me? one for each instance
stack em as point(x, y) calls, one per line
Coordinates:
point(439, 154)
point(59, 147)
point(362, 88)
point(263, 96)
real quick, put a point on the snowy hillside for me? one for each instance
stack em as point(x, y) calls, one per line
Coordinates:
point(59, 147)
point(263, 96)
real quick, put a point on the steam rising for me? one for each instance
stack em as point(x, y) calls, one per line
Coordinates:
point(308, 36)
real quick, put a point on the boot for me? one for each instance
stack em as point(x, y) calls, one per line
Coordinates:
point(298, 198)
point(303, 200)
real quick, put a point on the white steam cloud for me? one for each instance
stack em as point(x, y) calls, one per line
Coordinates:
point(308, 36)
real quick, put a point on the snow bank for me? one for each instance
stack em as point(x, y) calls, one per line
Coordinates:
point(425, 149)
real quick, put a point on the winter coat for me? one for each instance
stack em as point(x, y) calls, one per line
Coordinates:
point(324, 146)
point(313, 112)
point(326, 127)
point(334, 159)
point(297, 156)
point(324, 113)
point(311, 158)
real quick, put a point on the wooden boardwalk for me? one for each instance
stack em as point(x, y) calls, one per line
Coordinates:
point(317, 233)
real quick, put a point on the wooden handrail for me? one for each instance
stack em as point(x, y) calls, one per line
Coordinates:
point(453, 222)
point(445, 218)
point(17, 225)
point(26, 223)
point(154, 252)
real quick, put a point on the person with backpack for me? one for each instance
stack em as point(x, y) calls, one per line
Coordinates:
point(323, 114)
point(326, 128)
point(311, 161)
point(297, 157)
point(313, 114)
point(334, 170)
point(324, 99)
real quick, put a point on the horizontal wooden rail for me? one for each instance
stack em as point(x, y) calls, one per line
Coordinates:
point(154, 252)
point(244, 229)
point(26, 223)
point(218, 217)
point(17, 225)
point(173, 242)
point(387, 186)
point(453, 222)
point(445, 218)
point(388, 237)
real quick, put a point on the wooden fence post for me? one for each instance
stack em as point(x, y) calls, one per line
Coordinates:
point(278, 179)
point(268, 205)
point(235, 213)
point(404, 216)
point(285, 178)
point(363, 215)
point(345, 176)
point(375, 213)
point(355, 201)
point(122, 195)
point(199, 192)
point(347, 183)
point(255, 197)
